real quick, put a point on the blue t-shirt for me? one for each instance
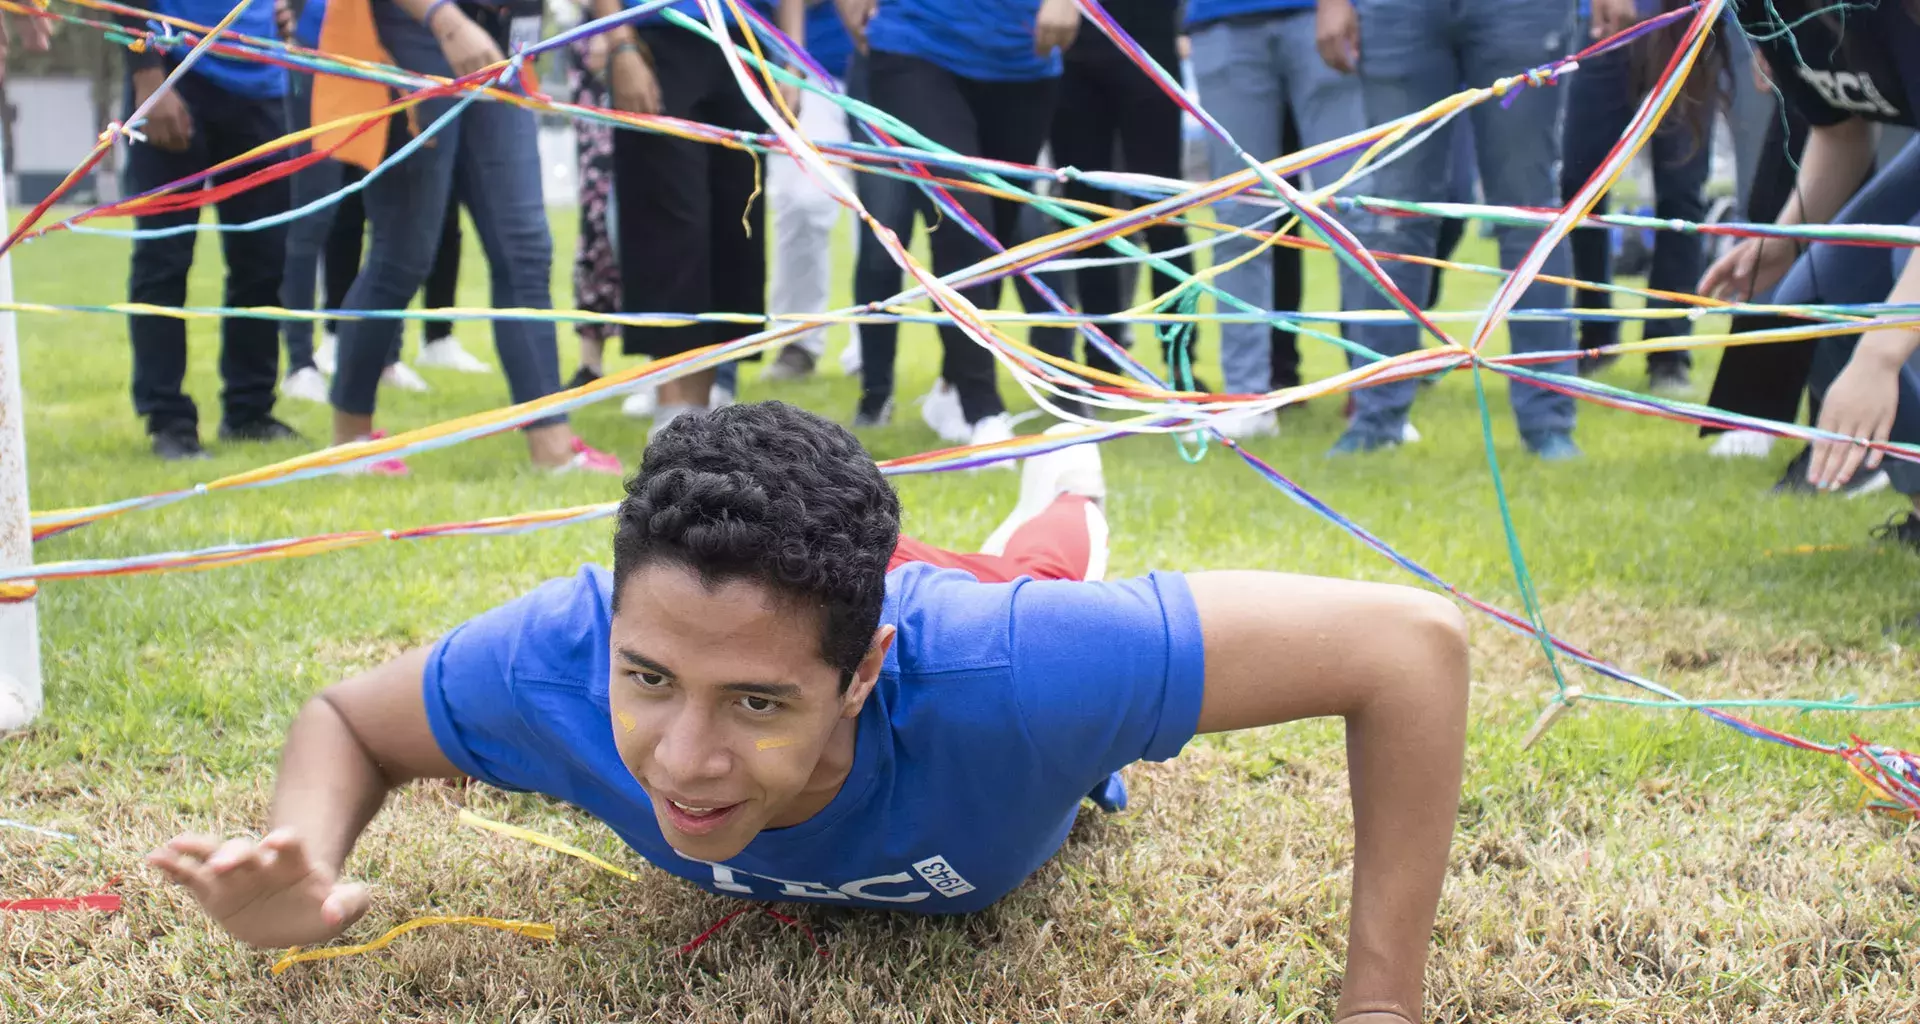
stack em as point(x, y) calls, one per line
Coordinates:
point(989, 40)
point(827, 39)
point(248, 78)
point(306, 31)
point(1199, 12)
point(1000, 706)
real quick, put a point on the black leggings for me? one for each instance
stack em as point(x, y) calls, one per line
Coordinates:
point(996, 120)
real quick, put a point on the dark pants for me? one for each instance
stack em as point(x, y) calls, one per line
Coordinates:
point(1105, 102)
point(1599, 107)
point(895, 204)
point(225, 125)
point(996, 120)
point(1765, 381)
point(489, 159)
point(346, 242)
point(692, 216)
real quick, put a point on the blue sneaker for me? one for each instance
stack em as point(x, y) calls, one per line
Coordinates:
point(1356, 442)
point(1552, 445)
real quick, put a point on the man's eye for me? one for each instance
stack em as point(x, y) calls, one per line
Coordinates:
point(648, 680)
point(759, 705)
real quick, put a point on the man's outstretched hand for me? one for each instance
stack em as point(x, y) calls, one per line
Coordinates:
point(267, 893)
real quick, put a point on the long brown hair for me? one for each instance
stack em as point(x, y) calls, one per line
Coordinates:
point(1706, 89)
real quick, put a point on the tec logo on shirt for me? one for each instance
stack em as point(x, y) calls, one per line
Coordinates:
point(897, 887)
point(1847, 90)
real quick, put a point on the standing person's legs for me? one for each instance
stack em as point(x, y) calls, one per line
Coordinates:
point(307, 236)
point(345, 246)
point(804, 214)
point(443, 281)
point(1289, 274)
point(256, 259)
point(1406, 62)
point(1235, 66)
point(1519, 154)
point(1013, 120)
point(1680, 153)
point(737, 212)
point(1766, 381)
point(157, 276)
point(1600, 102)
point(1462, 181)
point(930, 98)
point(1149, 124)
point(497, 178)
point(1749, 113)
point(1085, 123)
point(596, 270)
point(894, 204)
point(663, 192)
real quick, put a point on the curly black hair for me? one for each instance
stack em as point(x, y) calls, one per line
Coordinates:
point(771, 494)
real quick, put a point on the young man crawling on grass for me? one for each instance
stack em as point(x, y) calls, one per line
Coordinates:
point(777, 697)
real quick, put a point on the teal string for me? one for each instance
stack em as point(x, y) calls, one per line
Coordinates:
point(1522, 578)
point(1173, 338)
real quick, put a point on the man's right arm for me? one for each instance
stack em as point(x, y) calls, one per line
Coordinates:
point(347, 748)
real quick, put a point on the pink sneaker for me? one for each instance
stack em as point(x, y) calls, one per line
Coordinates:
point(587, 459)
point(385, 467)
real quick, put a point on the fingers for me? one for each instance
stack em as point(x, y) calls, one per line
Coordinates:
point(346, 904)
point(1880, 434)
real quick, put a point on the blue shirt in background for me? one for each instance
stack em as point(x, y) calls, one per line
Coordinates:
point(1000, 706)
point(989, 40)
point(1199, 12)
point(262, 81)
point(306, 31)
point(827, 39)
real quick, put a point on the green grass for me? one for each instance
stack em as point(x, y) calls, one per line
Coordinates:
point(1635, 865)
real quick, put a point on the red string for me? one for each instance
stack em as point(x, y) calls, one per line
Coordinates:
point(102, 901)
point(818, 947)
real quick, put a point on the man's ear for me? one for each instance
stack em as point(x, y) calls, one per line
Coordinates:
point(867, 673)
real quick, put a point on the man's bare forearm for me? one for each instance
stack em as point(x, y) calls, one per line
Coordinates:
point(329, 786)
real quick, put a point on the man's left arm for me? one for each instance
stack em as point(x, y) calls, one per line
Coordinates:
point(1392, 662)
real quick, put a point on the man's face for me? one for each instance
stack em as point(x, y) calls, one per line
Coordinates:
point(722, 706)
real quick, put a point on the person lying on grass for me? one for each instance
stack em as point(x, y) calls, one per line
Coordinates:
point(777, 697)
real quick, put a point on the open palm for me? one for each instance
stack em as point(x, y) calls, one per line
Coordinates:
point(268, 893)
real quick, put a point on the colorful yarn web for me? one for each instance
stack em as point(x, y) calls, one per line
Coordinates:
point(1134, 401)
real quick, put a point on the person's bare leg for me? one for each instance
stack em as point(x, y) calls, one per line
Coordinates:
point(550, 446)
point(690, 391)
point(349, 427)
point(593, 355)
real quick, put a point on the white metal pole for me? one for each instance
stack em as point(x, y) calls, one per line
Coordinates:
point(19, 620)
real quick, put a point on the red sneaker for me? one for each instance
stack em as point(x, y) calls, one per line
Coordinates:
point(384, 467)
point(587, 459)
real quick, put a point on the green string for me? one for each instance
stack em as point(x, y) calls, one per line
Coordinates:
point(1520, 575)
point(1175, 344)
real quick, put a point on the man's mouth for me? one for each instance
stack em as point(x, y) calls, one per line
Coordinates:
point(695, 819)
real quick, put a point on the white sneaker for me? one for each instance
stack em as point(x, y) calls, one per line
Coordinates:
point(1741, 444)
point(323, 357)
point(718, 396)
point(850, 356)
point(991, 430)
point(1049, 475)
point(639, 405)
point(447, 354)
point(306, 384)
point(940, 408)
point(402, 376)
point(1408, 435)
point(1246, 426)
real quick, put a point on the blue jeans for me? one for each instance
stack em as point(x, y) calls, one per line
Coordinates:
point(489, 156)
point(1829, 273)
point(1250, 72)
point(1600, 103)
point(307, 236)
point(1412, 53)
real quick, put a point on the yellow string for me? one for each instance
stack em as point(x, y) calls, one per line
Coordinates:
point(516, 832)
point(529, 929)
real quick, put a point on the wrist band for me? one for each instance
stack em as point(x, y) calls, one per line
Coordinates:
point(433, 9)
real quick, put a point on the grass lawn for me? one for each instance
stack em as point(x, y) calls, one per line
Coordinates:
point(1634, 866)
